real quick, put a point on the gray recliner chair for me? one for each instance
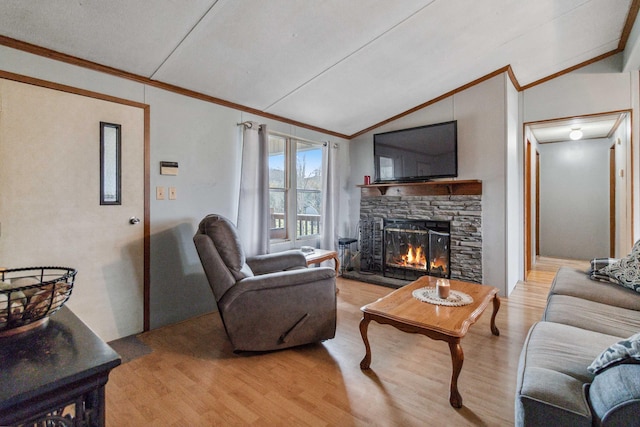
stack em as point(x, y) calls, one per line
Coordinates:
point(266, 302)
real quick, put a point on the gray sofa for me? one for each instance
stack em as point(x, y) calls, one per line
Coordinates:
point(583, 317)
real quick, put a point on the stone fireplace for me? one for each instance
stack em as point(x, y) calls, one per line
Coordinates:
point(420, 206)
point(413, 248)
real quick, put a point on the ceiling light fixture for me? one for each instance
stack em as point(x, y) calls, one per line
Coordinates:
point(575, 134)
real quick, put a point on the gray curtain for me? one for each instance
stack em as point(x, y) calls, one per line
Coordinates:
point(253, 206)
point(330, 198)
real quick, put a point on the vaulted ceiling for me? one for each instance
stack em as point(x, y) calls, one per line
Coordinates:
point(338, 65)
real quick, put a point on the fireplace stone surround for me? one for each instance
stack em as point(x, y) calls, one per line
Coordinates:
point(464, 211)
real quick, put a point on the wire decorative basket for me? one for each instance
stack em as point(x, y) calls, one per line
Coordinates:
point(28, 296)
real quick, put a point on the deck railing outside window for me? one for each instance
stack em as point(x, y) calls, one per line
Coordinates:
point(306, 225)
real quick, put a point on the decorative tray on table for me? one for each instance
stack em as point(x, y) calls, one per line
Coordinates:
point(28, 296)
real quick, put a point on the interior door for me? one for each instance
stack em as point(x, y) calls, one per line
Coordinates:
point(527, 209)
point(612, 201)
point(50, 211)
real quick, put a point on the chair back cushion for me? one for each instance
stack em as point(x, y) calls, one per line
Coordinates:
point(221, 254)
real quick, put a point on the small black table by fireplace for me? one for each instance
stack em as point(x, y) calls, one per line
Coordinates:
point(55, 375)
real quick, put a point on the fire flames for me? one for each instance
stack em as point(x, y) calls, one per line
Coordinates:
point(438, 264)
point(414, 258)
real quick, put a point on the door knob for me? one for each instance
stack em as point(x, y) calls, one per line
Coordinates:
point(134, 220)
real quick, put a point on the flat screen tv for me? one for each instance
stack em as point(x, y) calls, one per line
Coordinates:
point(417, 154)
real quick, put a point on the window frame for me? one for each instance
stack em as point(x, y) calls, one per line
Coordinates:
point(291, 239)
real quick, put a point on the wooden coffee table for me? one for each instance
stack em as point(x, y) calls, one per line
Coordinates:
point(401, 310)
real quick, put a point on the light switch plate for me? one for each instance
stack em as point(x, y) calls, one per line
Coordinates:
point(173, 193)
point(159, 193)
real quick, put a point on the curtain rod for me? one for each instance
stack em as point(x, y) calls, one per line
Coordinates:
point(249, 125)
point(297, 138)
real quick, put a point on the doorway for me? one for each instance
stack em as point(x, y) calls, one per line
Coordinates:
point(531, 172)
point(547, 139)
point(50, 210)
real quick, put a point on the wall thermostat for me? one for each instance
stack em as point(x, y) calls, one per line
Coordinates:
point(168, 168)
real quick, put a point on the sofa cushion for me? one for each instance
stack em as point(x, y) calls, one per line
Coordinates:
point(593, 316)
point(626, 272)
point(623, 351)
point(614, 396)
point(574, 282)
point(552, 373)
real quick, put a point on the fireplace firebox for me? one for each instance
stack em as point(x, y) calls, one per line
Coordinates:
point(414, 248)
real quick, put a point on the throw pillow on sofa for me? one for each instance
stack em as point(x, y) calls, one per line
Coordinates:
point(626, 272)
point(598, 264)
point(625, 351)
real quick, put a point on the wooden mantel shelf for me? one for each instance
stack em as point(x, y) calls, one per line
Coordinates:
point(466, 187)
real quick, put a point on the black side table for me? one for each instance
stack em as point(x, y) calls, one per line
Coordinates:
point(346, 252)
point(55, 373)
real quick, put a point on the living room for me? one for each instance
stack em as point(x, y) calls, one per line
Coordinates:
point(203, 137)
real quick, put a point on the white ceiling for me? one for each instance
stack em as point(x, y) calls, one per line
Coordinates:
point(601, 126)
point(340, 65)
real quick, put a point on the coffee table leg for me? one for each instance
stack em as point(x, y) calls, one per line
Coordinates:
point(364, 325)
point(496, 307)
point(457, 357)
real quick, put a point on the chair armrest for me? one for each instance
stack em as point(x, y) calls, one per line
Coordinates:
point(614, 395)
point(278, 280)
point(279, 261)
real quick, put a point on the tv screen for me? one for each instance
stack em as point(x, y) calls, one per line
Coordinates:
point(416, 154)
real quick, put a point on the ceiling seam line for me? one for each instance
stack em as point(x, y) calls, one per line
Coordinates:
point(347, 57)
point(183, 39)
point(538, 26)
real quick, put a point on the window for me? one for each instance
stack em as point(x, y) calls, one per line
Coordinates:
point(295, 189)
point(386, 168)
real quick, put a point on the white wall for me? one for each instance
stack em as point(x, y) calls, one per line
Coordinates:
point(481, 115)
point(514, 192)
point(182, 128)
point(19, 62)
point(205, 140)
point(598, 88)
point(482, 111)
point(574, 199)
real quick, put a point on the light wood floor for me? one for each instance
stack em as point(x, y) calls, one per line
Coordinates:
point(192, 378)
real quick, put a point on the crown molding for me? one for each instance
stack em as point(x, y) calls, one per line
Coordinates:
point(58, 56)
